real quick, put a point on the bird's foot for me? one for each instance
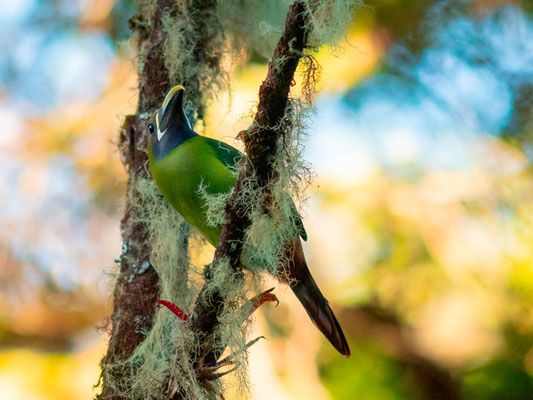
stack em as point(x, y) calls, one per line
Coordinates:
point(211, 372)
point(262, 298)
point(207, 373)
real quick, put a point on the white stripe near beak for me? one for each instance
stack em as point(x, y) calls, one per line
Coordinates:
point(159, 133)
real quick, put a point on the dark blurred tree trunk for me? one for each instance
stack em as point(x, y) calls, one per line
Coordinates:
point(384, 328)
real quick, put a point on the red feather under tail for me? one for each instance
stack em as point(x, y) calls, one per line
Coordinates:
point(175, 309)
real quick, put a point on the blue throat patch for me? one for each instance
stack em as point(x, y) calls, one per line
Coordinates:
point(175, 135)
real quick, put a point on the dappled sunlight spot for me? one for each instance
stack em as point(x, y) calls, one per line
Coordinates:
point(450, 187)
point(403, 201)
point(497, 157)
point(338, 247)
point(95, 12)
point(406, 287)
point(231, 112)
point(19, 371)
point(60, 130)
point(227, 116)
point(460, 328)
point(26, 374)
point(339, 155)
point(401, 147)
point(264, 373)
point(84, 367)
point(468, 245)
point(13, 127)
point(341, 69)
point(249, 79)
point(34, 181)
point(337, 167)
point(15, 11)
point(292, 353)
point(56, 317)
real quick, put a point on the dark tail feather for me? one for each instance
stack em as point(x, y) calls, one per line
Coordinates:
point(314, 302)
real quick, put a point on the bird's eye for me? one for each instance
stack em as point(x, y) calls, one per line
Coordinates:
point(151, 128)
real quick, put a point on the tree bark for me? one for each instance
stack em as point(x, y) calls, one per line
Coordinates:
point(137, 287)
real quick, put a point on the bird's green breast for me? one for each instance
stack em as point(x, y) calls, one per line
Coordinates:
point(179, 175)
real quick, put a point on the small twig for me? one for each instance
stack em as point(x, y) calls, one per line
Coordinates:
point(246, 347)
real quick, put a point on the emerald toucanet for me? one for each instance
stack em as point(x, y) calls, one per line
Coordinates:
point(181, 161)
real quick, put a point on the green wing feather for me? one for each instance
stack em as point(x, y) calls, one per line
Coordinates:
point(230, 157)
point(226, 154)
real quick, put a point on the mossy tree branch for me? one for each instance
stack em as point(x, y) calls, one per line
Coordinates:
point(260, 141)
point(137, 287)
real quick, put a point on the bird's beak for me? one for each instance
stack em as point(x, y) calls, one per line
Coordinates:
point(172, 107)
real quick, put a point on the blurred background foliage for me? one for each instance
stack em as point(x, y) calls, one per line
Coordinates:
point(420, 219)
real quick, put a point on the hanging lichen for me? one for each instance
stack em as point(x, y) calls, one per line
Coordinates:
point(164, 362)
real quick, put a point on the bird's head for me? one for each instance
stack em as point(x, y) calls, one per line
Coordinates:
point(169, 126)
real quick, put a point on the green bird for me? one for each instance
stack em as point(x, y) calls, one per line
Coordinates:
point(181, 161)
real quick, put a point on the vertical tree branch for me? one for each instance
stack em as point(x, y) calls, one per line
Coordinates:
point(261, 142)
point(137, 286)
